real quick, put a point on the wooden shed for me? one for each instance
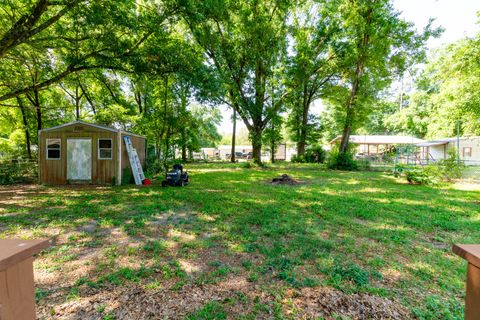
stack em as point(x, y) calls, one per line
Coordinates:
point(81, 152)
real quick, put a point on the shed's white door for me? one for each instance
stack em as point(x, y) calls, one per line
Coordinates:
point(79, 159)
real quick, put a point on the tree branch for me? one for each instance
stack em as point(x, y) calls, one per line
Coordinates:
point(25, 28)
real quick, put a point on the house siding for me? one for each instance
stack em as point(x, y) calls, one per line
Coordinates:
point(441, 152)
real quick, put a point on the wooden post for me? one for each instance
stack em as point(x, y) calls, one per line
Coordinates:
point(471, 253)
point(17, 290)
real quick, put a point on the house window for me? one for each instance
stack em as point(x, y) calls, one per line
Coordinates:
point(105, 149)
point(53, 148)
point(467, 152)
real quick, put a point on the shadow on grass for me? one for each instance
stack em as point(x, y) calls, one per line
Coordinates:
point(346, 230)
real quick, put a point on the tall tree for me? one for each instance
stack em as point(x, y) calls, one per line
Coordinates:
point(379, 45)
point(446, 93)
point(314, 32)
point(245, 43)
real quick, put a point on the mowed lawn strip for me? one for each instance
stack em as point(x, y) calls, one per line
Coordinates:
point(233, 245)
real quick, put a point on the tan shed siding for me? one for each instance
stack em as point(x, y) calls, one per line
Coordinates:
point(55, 171)
point(104, 168)
point(139, 144)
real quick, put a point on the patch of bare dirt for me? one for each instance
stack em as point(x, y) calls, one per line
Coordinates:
point(326, 302)
point(134, 302)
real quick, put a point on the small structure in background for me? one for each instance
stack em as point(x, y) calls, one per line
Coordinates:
point(281, 152)
point(81, 152)
point(468, 149)
point(375, 146)
point(242, 152)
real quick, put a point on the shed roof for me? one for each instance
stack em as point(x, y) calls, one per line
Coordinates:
point(98, 126)
point(432, 143)
point(379, 139)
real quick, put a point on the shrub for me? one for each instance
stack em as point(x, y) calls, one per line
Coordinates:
point(364, 164)
point(444, 170)
point(154, 168)
point(253, 165)
point(427, 175)
point(6, 177)
point(127, 176)
point(315, 154)
point(298, 159)
point(452, 168)
point(399, 170)
point(248, 165)
point(18, 171)
point(341, 160)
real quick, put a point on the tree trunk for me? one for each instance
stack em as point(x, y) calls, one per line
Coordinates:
point(303, 125)
point(158, 149)
point(138, 98)
point(272, 151)
point(77, 104)
point(232, 156)
point(301, 145)
point(25, 125)
point(256, 136)
point(359, 71)
point(90, 102)
point(272, 144)
point(36, 103)
point(184, 153)
point(165, 154)
point(347, 128)
point(258, 125)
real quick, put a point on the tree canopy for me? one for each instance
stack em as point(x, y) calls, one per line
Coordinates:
point(162, 67)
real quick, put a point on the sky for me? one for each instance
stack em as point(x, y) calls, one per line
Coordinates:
point(458, 17)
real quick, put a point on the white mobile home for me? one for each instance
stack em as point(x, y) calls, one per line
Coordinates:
point(469, 149)
point(374, 145)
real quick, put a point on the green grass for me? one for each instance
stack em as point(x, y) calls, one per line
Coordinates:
point(356, 232)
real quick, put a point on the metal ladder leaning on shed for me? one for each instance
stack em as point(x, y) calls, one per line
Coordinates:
point(134, 161)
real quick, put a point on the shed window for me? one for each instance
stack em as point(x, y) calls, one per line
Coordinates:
point(105, 149)
point(467, 152)
point(53, 148)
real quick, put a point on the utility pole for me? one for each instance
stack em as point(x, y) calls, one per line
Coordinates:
point(458, 141)
point(400, 106)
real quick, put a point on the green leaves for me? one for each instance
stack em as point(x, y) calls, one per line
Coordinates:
point(245, 46)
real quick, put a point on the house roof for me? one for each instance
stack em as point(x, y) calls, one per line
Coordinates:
point(98, 126)
point(80, 122)
point(379, 139)
point(432, 143)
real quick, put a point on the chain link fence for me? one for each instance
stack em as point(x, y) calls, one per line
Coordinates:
point(471, 172)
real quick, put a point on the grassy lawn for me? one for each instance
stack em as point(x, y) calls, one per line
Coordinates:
point(340, 245)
